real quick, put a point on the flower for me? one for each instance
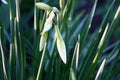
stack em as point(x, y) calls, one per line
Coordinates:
point(48, 22)
point(47, 26)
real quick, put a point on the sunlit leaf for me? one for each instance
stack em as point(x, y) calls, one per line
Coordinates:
point(99, 73)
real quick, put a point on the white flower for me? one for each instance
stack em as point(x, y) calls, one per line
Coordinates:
point(47, 27)
point(61, 45)
point(43, 40)
point(48, 22)
point(43, 6)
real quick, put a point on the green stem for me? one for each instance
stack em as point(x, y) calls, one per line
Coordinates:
point(41, 62)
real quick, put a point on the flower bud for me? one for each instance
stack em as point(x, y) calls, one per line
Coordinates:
point(48, 22)
point(55, 10)
point(43, 6)
point(61, 45)
point(43, 40)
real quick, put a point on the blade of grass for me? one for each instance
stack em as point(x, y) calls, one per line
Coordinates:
point(66, 13)
point(57, 68)
point(87, 26)
point(11, 14)
point(100, 51)
point(86, 29)
point(3, 59)
point(16, 51)
point(117, 51)
point(114, 71)
point(35, 24)
point(72, 75)
point(77, 30)
point(102, 40)
point(76, 53)
point(93, 46)
point(99, 73)
point(10, 60)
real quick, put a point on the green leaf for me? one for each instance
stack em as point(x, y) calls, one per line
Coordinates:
point(76, 53)
point(108, 34)
point(41, 63)
point(116, 51)
point(3, 58)
point(87, 26)
point(72, 75)
point(99, 73)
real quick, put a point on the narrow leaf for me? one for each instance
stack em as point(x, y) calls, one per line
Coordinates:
point(41, 62)
point(87, 26)
point(77, 52)
point(72, 75)
point(3, 58)
point(99, 73)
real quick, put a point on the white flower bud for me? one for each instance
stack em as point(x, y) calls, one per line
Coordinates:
point(48, 22)
point(43, 6)
point(61, 45)
point(55, 10)
point(43, 40)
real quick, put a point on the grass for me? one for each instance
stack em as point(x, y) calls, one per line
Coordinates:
point(59, 45)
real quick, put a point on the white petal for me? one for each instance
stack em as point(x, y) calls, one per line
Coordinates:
point(47, 26)
point(55, 10)
point(51, 16)
point(43, 40)
point(48, 22)
point(61, 45)
point(61, 49)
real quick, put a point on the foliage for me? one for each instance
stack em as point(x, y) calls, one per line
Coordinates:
point(56, 45)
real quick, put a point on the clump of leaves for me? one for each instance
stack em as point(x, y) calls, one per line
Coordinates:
point(62, 47)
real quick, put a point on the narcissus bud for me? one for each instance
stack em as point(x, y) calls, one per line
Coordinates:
point(61, 45)
point(55, 10)
point(43, 40)
point(43, 6)
point(48, 22)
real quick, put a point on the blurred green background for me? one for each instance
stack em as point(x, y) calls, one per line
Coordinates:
point(27, 18)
